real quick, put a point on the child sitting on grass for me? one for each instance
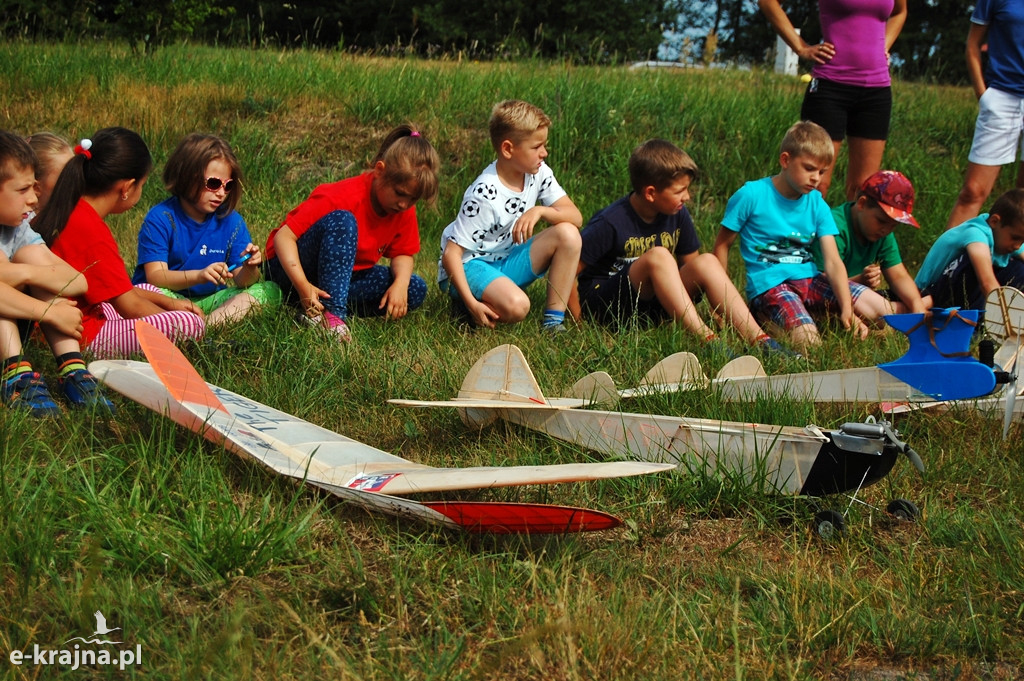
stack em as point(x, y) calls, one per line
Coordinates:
point(777, 219)
point(324, 255)
point(965, 263)
point(195, 242)
point(489, 254)
point(866, 242)
point(34, 286)
point(105, 177)
point(641, 255)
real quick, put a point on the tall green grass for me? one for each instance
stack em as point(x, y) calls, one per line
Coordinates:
point(220, 570)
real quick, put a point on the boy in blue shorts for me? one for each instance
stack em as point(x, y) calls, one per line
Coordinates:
point(35, 286)
point(777, 218)
point(641, 255)
point(866, 242)
point(968, 261)
point(490, 254)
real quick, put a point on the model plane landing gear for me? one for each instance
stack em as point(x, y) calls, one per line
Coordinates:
point(903, 509)
point(829, 524)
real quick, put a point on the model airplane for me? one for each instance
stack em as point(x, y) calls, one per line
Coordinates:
point(352, 470)
point(937, 371)
point(792, 460)
point(1004, 324)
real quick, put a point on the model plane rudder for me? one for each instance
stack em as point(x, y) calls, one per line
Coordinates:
point(173, 369)
point(501, 374)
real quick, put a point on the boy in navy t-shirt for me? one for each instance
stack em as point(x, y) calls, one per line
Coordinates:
point(641, 257)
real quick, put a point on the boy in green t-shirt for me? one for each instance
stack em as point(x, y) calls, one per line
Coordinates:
point(866, 241)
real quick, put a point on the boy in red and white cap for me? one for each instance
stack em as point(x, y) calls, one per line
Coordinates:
point(866, 241)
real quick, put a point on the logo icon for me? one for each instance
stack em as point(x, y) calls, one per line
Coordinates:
point(101, 630)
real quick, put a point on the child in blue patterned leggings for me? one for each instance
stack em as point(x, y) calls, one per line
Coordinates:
point(324, 255)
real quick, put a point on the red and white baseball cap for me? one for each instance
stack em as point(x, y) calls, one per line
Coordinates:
point(894, 193)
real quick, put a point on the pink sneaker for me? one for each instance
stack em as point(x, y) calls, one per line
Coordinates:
point(337, 326)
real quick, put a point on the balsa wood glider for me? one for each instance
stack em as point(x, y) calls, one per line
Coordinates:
point(354, 471)
point(793, 460)
point(936, 371)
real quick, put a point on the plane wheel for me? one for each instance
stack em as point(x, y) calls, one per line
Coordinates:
point(829, 524)
point(903, 509)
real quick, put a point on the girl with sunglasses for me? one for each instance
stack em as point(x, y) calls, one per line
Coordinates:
point(193, 244)
point(105, 177)
point(325, 253)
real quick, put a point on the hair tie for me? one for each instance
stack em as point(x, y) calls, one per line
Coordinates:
point(83, 147)
point(414, 133)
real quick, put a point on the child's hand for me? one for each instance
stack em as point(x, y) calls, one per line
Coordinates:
point(396, 299)
point(310, 300)
point(523, 229)
point(872, 276)
point(64, 316)
point(856, 325)
point(256, 258)
point(483, 314)
point(186, 305)
point(216, 273)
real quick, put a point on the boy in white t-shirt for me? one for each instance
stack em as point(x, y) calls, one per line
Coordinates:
point(489, 253)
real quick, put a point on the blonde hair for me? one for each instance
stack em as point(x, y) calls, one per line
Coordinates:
point(659, 163)
point(408, 156)
point(808, 139)
point(515, 120)
point(47, 147)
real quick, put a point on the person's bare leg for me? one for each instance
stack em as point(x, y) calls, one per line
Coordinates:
point(655, 276)
point(865, 159)
point(557, 250)
point(978, 183)
point(508, 300)
point(705, 272)
point(826, 178)
point(231, 311)
point(805, 336)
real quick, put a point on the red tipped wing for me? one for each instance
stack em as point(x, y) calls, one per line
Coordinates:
point(514, 518)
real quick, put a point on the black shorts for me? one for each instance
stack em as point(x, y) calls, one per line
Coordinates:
point(848, 110)
point(613, 301)
point(958, 285)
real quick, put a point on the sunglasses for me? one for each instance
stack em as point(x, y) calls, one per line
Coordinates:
point(215, 183)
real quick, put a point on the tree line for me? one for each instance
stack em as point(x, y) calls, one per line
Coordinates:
point(594, 32)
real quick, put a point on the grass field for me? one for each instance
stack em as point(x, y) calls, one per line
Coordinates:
point(217, 570)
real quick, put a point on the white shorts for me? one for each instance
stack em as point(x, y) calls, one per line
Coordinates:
point(998, 130)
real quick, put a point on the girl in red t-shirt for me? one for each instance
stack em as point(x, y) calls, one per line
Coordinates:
point(324, 255)
point(104, 177)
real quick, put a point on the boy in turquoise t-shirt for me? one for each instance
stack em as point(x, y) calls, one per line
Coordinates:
point(866, 241)
point(967, 262)
point(776, 219)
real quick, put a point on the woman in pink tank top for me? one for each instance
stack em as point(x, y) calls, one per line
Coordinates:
point(850, 92)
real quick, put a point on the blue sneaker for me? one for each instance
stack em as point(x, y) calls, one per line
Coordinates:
point(770, 346)
point(28, 391)
point(83, 392)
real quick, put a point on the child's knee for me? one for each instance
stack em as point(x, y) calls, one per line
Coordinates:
point(512, 308)
point(805, 335)
point(659, 257)
point(568, 236)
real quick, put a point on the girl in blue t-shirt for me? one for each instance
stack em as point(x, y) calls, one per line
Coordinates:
point(195, 244)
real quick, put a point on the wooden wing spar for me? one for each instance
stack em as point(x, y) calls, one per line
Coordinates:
point(791, 460)
point(350, 469)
